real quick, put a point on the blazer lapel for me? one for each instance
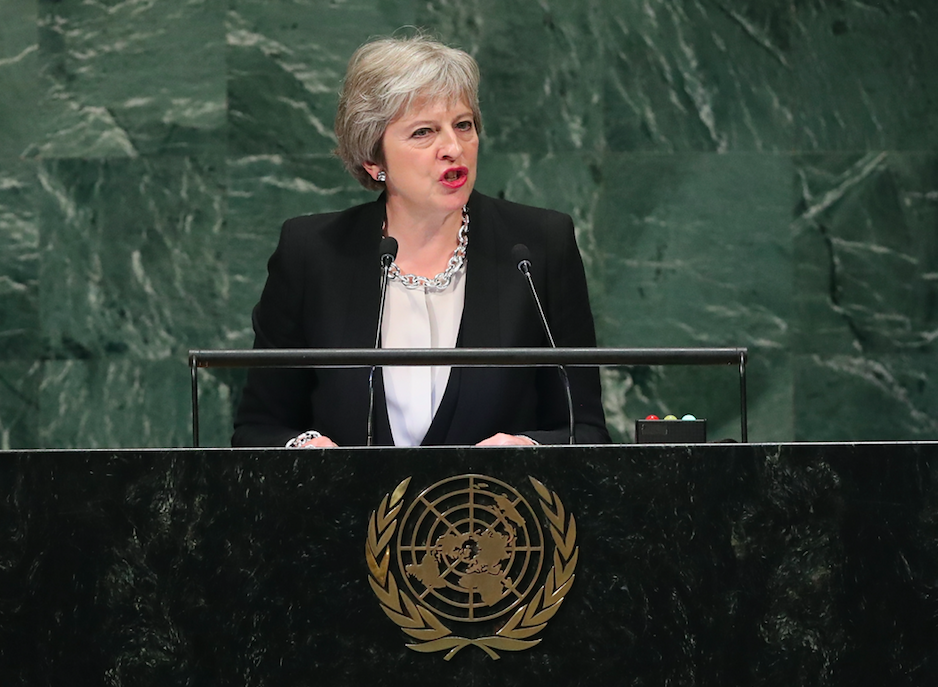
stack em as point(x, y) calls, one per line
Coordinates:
point(481, 317)
point(482, 313)
point(479, 327)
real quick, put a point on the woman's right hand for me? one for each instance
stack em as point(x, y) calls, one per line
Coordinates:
point(502, 439)
point(311, 439)
point(319, 442)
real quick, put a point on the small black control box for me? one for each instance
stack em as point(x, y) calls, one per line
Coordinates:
point(670, 431)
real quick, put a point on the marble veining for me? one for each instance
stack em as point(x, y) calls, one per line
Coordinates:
point(132, 78)
point(739, 172)
point(776, 564)
point(875, 292)
point(697, 76)
point(133, 248)
point(19, 262)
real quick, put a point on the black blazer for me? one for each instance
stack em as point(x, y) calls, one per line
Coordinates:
point(323, 290)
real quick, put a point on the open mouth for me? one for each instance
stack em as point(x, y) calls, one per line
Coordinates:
point(455, 177)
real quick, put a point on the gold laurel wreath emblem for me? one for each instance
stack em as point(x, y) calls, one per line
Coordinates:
point(423, 625)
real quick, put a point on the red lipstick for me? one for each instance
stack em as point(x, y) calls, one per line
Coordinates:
point(455, 177)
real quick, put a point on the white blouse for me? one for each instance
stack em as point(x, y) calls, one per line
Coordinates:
point(423, 317)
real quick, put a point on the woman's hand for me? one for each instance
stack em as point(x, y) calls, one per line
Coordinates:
point(311, 439)
point(319, 442)
point(501, 439)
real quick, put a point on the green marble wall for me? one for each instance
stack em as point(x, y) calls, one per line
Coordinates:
point(741, 172)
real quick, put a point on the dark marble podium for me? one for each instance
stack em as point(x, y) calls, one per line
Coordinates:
point(722, 564)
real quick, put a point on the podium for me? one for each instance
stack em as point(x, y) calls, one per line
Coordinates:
point(719, 564)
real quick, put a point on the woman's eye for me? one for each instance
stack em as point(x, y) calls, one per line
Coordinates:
point(465, 126)
point(421, 132)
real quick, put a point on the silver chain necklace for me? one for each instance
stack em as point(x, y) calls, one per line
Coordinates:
point(443, 279)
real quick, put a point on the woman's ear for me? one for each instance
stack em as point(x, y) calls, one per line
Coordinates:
point(373, 169)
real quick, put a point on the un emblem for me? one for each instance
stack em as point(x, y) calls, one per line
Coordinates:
point(470, 552)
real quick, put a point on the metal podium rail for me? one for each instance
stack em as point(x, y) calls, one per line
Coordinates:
point(465, 357)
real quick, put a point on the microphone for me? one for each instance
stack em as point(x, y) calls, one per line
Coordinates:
point(522, 256)
point(387, 250)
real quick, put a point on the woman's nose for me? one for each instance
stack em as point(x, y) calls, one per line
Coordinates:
point(450, 145)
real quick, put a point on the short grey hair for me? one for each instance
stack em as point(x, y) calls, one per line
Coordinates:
point(384, 78)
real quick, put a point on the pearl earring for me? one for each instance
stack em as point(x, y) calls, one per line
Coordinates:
point(382, 177)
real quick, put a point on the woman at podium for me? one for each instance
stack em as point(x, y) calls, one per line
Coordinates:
point(408, 124)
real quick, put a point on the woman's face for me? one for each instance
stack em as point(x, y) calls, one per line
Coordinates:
point(430, 157)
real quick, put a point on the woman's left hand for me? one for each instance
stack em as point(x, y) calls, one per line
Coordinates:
point(501, 439)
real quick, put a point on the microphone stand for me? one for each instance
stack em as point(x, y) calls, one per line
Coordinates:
point(388, 251)
point(524, 265)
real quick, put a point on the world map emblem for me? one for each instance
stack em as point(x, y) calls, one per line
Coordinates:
point(468, 563)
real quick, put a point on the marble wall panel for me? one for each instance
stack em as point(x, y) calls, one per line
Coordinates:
point(867, 75)
point(19, 66)
point(866, 295)
point(695, 250)
point(701, 232)
point(568, 182)
point(286, 61)
point(542, 69)
point(131, 257)
point(867, 248)
point(101, 403)
point(862, 397)
point(19, 404)
point(19, 228)
point(698, 75)
point(19, 260)
point(723, 161)
point(132, 78)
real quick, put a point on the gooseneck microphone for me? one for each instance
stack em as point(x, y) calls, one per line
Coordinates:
point(522, 256)
point(387, 250)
